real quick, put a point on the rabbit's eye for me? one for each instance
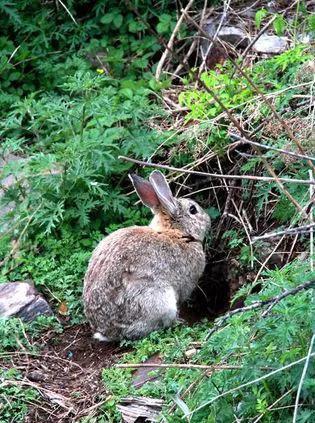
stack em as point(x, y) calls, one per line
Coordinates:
point(193, 209)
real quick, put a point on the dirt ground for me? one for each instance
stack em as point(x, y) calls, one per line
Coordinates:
point(67, 374)
point(67, 369)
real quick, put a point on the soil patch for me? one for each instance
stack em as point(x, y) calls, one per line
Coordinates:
point(67, 374)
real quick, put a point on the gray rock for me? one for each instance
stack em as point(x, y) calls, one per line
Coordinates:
point(20, 299)
point(234, 35)
point(271, 44)
point(228, 33)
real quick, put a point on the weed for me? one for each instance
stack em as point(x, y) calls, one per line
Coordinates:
point(254, 345)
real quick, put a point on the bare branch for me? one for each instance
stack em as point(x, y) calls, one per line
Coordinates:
point(309, 354)
point(289, 231)
point(170, 43)
point(178, 366)
point(268, 147)
point(215, 175)
point(68, 11)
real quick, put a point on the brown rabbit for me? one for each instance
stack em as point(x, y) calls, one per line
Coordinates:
point(137, 276)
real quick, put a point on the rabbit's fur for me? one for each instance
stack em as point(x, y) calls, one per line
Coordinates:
point(137, 276)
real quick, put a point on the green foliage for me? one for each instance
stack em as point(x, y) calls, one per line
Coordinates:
point(233, 237)
point(75, 96)
point(14, 399)
point(279, 25)
point(231, 91)
point(77, 180)
point(235, 93)
point(259, 16)
point(274, 74)
point(255, 345)
point(41, 45)
point(303, 20)
point(14, 332)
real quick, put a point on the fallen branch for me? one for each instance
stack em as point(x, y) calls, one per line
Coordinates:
point(259, 304)
point(178, 366)
point(289, 231)
point(217, 175)
point(268, 147)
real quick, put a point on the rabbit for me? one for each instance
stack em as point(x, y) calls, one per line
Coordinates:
point(138, 276)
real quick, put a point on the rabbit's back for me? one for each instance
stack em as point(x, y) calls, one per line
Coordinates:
point(132, 261)
point(130, 254)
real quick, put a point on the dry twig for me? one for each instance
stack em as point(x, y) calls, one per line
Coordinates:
point(309, 354)
point(170, 43)
point(269, 147)
point(215, 175)
point(289, 231)
point(178, 366)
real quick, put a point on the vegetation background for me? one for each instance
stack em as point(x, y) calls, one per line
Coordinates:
point(78, 89)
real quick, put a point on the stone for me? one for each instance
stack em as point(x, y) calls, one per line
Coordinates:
point(228, 33)
point(190, 353)
point(271, 44)
point(20, 299)
point(234, 35)
point(144, 374)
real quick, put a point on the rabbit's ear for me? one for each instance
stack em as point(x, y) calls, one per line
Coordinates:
point(163, 192)
point(145, 191)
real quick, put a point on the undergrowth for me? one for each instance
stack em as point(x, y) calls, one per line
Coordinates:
point(254, 345)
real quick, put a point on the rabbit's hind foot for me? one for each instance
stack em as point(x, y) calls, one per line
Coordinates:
point(100, 337)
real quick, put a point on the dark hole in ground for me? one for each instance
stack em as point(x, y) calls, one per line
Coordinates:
point(212, 295)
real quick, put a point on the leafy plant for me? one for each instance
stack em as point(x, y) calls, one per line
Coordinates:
point(14, 399)
point(82, 133)
point(13, 332)
point(259, 16)
point(253, 345)
point(279, 25)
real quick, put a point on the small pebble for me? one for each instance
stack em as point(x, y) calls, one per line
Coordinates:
point(190, 353)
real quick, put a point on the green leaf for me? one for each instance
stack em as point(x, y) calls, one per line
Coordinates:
point(108, 18)
point(136, 26)
point(213, 212)
point(279, 25)
point(311, 22)
point(118, 20)
point(127, 92)
point(259, 16)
